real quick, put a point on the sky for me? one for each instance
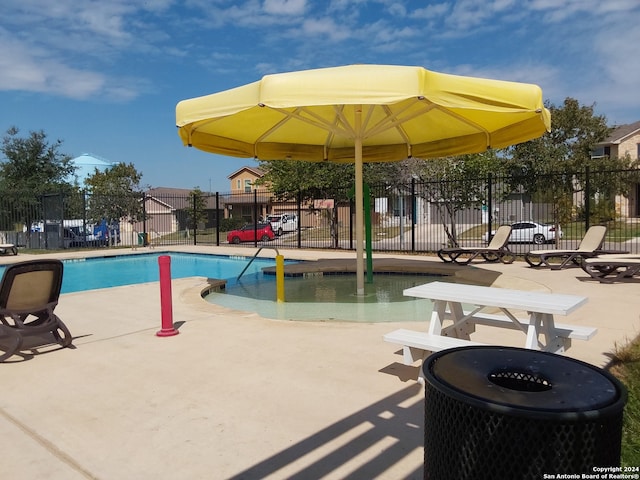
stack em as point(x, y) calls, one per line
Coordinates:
point(104, 77)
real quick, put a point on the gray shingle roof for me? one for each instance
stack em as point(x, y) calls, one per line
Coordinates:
point(621, 132)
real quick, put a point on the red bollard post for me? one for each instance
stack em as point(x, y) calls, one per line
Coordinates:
point(164, 263)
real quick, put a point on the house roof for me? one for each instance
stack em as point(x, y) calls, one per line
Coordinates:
point(156, 200)
point(157, 191)
point(178, 198)
point(621, 132)
point(258, 172)
point(260, 196)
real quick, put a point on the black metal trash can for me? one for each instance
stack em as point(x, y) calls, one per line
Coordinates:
point(513, 413)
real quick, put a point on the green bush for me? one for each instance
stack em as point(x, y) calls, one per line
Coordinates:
point(601, 211)
point(227, 224)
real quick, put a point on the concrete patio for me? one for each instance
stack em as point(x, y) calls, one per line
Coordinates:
point(237, 396)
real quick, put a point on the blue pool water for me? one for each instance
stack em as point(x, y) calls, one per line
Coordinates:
point(93, 273)
point(313, 297)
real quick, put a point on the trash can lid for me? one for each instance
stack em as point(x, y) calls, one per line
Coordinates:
point(518, 379)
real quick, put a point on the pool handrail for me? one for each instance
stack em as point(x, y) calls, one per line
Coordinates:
point(254, 257)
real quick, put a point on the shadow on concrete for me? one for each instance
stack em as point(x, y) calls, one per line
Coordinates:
point(384, 432)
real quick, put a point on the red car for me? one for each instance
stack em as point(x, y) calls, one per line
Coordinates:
point(248, 234)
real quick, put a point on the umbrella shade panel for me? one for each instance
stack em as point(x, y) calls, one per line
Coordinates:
point(405, 111)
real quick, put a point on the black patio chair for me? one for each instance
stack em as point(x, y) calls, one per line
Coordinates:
point(29, 294)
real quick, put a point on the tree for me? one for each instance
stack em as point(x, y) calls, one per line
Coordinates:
point(32, 168)
point(116, 194)
point(548, 167)
point(455, 183)
point(197, 212)
point(291, 179)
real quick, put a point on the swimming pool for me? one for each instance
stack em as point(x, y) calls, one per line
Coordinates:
point(311, 297)
point(104, 272)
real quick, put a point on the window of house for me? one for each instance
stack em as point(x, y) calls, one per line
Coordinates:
point(247, 186)
point(600, 152)
point(638, 152)
point(238, 184)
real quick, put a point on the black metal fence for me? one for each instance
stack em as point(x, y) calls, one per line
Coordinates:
point(417, 216)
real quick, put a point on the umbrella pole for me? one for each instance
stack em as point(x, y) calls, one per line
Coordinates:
point(359, 204)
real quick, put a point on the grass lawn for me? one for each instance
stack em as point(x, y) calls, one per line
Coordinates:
point(616, 231)
point(626, 367)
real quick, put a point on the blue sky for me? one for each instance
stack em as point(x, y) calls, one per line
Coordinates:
point(105, 76)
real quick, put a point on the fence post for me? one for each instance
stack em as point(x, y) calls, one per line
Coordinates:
point(144, 219)
point(413, 214)
point(255, 217)
point(489, 204)
point(44, 224)
point(299, 212)
point(195, 219)
point(351, 204)
point(217, 219)
point(587, 194)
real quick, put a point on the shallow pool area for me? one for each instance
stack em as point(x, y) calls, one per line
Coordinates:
point(329, 297)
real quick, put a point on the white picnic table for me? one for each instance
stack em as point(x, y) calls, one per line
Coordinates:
point(458, 308)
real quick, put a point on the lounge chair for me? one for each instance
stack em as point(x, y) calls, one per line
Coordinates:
point(609, 268)
point(589, 247)
point(496, 250)
point(29, 293)
point(8, 248)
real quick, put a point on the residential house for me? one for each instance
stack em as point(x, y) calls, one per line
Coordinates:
point(247, 200)
point(624, 140)
point(168, 211)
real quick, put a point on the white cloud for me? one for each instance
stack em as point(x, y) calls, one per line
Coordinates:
point(325, 27)
point(397, 10)
point(560, 11)
point(20, 70)
point(284, 7)
point(467, 14)
point(83, 48)
point(106, 19)
point(68, 48)
point(432, 11)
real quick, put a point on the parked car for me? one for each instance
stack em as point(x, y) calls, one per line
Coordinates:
point(283, 222)
point(248, 233)
point(531, 232)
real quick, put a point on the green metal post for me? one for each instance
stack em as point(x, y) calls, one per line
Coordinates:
point(367, 231)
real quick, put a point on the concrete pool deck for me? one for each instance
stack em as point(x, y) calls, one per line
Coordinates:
point(238, 396)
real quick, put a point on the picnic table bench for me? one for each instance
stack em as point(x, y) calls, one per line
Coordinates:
point(458, 308)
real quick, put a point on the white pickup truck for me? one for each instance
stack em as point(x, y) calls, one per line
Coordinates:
point(283, 222)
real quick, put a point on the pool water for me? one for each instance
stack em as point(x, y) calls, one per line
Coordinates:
point(94, 273)
point(331, 298)
point(314, 297)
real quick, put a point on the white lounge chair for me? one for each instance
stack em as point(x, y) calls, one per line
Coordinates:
point(609, 268)
point(8, 248)
point(496, 250)
point(589, 247)
point(29, 293)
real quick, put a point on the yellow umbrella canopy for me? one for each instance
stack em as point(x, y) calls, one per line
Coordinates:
point(362, 113)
